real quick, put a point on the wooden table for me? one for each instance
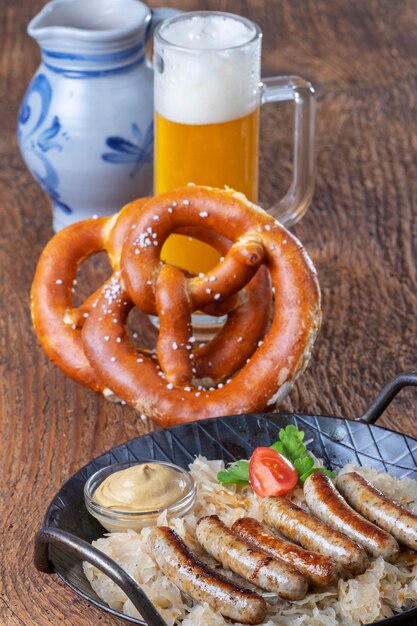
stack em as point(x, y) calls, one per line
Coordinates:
point(361, 232)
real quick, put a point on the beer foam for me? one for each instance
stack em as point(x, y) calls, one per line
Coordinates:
point(212, 32)
point(204, 72)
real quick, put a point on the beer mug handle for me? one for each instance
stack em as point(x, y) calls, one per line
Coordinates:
point(281, 89)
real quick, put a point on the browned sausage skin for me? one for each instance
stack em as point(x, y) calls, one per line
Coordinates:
point(313, 534)
point(326, 502)
point(255, 566)
point(318, 569)
point(378, 508)
point(200, 582)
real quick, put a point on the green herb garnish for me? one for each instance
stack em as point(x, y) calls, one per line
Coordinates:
point(237, 473)
point(290, 445)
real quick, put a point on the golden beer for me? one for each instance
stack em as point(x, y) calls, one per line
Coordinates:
point(207, 73)
point(208, 91)
point(219, 154)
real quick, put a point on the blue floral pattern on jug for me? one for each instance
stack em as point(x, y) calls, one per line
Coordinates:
point(40, 142)
point(126, 151)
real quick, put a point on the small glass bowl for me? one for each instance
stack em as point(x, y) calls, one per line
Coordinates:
point(121, 521)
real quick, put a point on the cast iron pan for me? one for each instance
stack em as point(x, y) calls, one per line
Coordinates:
point(64, 541)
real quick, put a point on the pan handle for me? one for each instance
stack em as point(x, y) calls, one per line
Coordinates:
point(81, 549)
point(386, 395)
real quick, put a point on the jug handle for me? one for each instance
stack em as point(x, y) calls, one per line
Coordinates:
point(158, 16)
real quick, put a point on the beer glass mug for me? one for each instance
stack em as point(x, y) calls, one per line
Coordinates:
point(208, 92)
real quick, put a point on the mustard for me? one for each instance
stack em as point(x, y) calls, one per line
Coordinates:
point(141, 488)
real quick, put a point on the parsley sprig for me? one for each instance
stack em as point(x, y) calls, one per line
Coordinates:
point(290, 445)
point(237, 473)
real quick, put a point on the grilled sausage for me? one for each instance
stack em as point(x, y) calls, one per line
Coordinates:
point(200, 582)
point(318, 569)
point(377, 508)
point(313, 534)
point(325, 501)
point(241, 557)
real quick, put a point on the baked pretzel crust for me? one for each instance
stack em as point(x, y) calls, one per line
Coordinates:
point(169, 395)
point(58, 323)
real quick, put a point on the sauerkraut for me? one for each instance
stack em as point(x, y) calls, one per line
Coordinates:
point(383, 590)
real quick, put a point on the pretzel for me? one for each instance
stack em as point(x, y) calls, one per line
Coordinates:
point(171, 396)
point(57, 323)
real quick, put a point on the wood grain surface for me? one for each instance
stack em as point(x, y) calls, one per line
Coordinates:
point(361, 231)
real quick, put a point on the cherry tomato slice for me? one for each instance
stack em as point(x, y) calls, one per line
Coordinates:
point(270, 473)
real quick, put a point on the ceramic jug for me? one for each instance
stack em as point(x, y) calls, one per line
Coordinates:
point(85, 126)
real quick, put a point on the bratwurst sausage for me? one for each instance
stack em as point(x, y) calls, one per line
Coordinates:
point(200, 582)
point(377, 508)
point(326, 502)
point(313, 534)
point(318, 569)
point(241, 557)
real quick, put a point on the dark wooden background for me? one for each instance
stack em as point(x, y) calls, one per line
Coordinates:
point(361, 232)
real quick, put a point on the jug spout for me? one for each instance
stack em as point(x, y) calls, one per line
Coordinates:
point(80, 27)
